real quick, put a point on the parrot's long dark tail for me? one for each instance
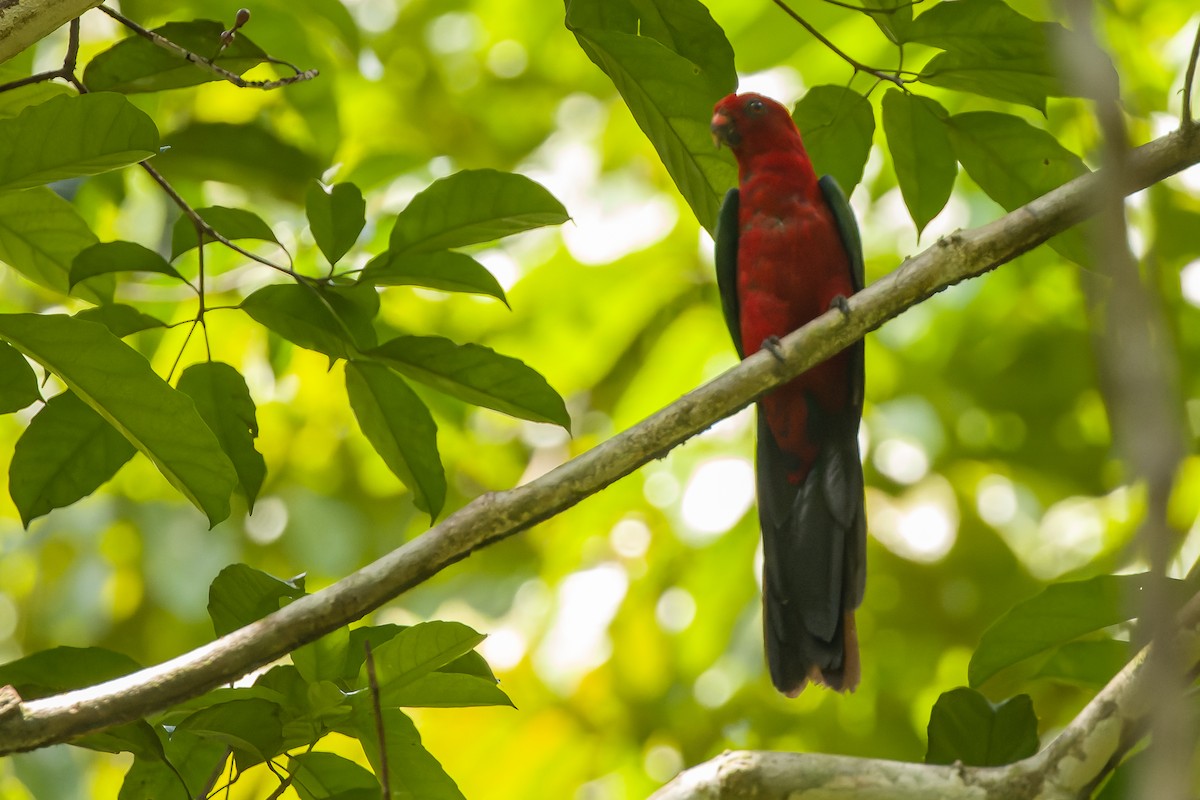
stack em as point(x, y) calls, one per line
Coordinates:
point(814, 555)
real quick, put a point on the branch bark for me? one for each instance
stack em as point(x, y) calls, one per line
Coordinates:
point(1066, 769)
point(25, 22)
point(495, 516)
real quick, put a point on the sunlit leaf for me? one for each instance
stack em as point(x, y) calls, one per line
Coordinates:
point(224, 403)
point(837, 126)
point(894, 17)
point(40, 235)
point(117, 382)
point(413, 770)
point(964, 727)
point(336, 321)
point(18, 381)
point(400, 428)
point(336, 216)
point(232, 223)
point(241, 594)
point(1061, 613)
point(417, 651)
point(136, 64)
point(670, 76)
point(106, 257)
point(1090, 663)
point(472, 206)
point(447, 690)
point(325, 659)
point(921, 153)
point(475, 374)
point(67, 452)
point(73, 135)
point(446, 270)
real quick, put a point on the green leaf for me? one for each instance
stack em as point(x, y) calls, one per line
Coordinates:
point(336, 321)
point(446, 690)
point(136, 64)
point(475, 374)
point(187, 756)
point(133, 737)
point(252, 728)
point(40, 235)
point(336, 216)
point(472, 206)
point(445, 270)
point(894, 17)
point(1027, 79)
point(837, 126)
point(117, 382)
point(232, 223)
point(325, 659)
point(73, 135)
point(401, 429)
point(328, 776)
point(18, 381)
point(121, 319)
point(1014, 162)
point(1091, 663)
point(417, 651)
point(246, 155)
point(65, 454)
point(987, 27)
point(965, 727)
point(224, 403)
point(413, 770)
point(1061, 613)
point(240, 595)
point(924, 161)
point(106, 257)
point(670, 84)
point(61, 669)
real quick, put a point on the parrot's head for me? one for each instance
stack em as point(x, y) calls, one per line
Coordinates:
point(747, 122)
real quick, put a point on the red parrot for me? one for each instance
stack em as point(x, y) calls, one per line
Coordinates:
point(787, 249)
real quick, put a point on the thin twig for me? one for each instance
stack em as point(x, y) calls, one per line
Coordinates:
point(385, 780)
point(1188, 121)
point(858, 65)
point(207, 63)
point(874, 11)
point(66, 71)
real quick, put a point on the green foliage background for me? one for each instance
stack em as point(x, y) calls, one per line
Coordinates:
point(625, 631)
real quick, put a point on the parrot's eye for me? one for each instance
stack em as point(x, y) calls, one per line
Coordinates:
point(755, 106)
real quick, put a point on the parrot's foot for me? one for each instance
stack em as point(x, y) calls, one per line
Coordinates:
point(841, 304)
point(771, 343)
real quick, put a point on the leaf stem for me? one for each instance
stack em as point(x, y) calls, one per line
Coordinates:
point(66, 71)
point(857, 65)
point(1188, 122)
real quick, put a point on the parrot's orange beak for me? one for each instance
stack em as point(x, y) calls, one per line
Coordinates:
point(724, 131)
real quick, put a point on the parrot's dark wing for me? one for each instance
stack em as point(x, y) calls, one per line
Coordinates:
point(846, 225)
point(726, 258)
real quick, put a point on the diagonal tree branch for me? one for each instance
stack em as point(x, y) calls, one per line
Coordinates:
point(1066, 769)
point(491, 517)
point(24, 22)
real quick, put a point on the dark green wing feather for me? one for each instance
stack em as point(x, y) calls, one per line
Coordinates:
point(726, 258)
point(847, 227)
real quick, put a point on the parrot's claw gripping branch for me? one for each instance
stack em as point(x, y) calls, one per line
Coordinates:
point(841, 304)
point(771, 344)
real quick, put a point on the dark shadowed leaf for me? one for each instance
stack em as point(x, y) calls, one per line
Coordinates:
point(136, 64)
point(240, 595)
point(1061, 613)
point(137, 738)
point(336, 321)
point(325, 659)
point(1090, 663)
point(921, 153)
point(837, 126)
point(61, 669)
point(188, 756)
point(252, 728)
point(445, 270)
point(18, 381)
point(73, 135)
point(1014, 162)
point(965, 727)
point(232, 223)
point(336, 217)
point(472, 206)
point(118, 382)
point(224, 403)
point(328, 776)
point(40, 235)
point(413, 770)
point(245, 155)
point(106, 257)
point(64, 455)
point(400, 428)
point(121, 319)
point(475, 374)
point(670, 74)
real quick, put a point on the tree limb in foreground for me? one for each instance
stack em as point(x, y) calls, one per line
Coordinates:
point(1066, 769)
point(494, 516)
